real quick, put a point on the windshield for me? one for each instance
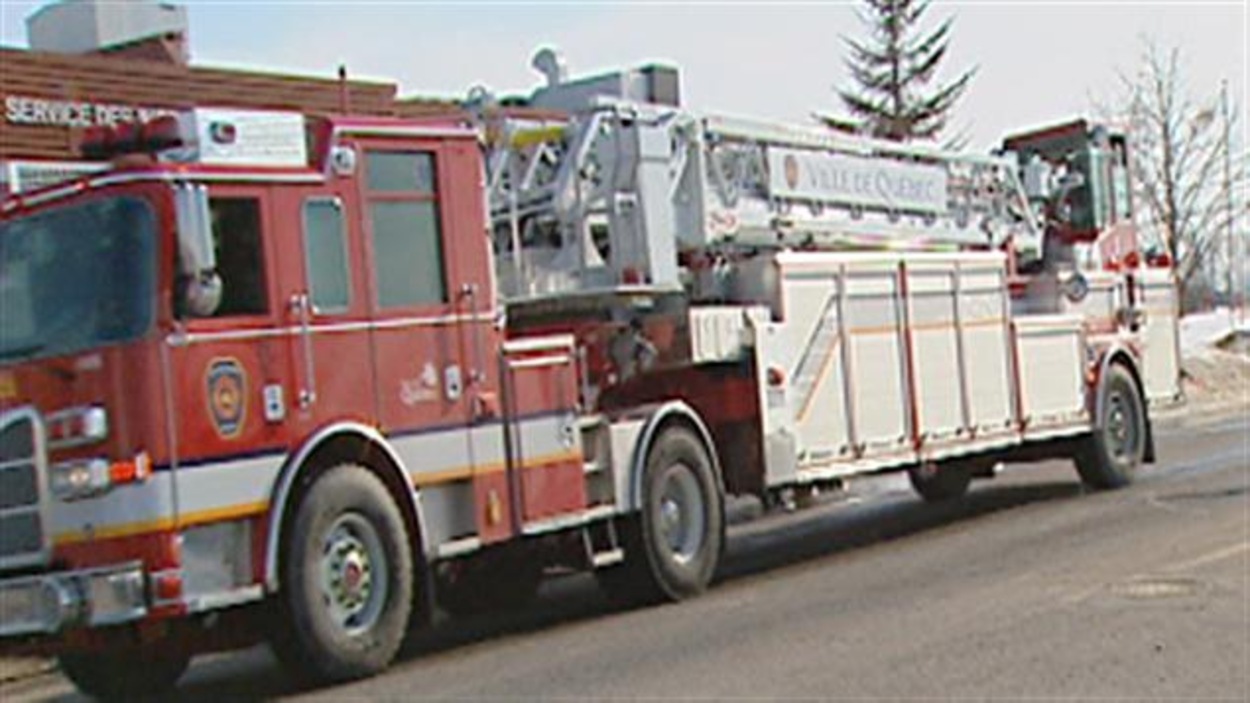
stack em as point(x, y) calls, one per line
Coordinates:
point(76, 277)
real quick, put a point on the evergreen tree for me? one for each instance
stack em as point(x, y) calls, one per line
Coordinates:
point(892, 70)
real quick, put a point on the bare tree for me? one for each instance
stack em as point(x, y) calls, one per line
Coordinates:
point(1179, 155)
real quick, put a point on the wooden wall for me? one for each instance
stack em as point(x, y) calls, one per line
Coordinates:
point(155, 84)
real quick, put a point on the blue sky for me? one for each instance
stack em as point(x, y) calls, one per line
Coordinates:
point(1038, 62)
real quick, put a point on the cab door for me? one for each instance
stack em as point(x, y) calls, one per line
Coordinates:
point(420, 346)
point(225, 362)
point(325, 312)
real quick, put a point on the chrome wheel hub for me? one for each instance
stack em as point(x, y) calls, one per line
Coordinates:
point(353, 573)
point(681, 513)
point(670, 510)
point(350, 574)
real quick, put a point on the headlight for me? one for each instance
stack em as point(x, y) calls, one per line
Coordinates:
point(74, 480)
point(84, 478)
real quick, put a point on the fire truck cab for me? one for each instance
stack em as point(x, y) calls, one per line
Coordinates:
point(195, 343)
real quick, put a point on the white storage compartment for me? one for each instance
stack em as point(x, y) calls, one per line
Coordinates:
point(1050, 350)
point(1161, 373)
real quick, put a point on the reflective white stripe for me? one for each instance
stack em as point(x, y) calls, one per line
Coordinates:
point(540, 362)
point(402, 322)
point(187, 338)
point(401, 130)
point(240, 488)
point(228, 484)
point(76, 187)
point(454, 454)
point(533, 344)
point(130, 505)
point(196, 176)
point(218, 491)
point(434, 457)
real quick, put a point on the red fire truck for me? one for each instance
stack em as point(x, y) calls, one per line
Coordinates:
point(307, 380)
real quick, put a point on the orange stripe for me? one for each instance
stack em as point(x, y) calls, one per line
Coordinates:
point(462, 473)
point(929, 326)
point(130, 529)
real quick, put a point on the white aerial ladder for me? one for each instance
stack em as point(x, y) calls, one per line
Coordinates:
point(597, 187)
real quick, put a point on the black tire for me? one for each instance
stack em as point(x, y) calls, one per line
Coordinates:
point(125, 676)
point(347, 579)
point(483, 585)
point(940, 483)
point(1111, 455)
point(673, 548)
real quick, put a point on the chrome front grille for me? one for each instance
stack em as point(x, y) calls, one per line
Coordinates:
point(23, 497)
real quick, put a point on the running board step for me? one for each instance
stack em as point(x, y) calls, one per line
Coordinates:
point(601, 544)
point(608, 558)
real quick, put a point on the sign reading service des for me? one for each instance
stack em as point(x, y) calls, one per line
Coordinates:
point(835, 178)
point(23, 110)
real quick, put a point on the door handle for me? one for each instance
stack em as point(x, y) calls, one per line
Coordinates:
point(302, 312)
point(476, 373)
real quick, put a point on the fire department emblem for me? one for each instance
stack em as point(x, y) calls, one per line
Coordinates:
point(227, 396)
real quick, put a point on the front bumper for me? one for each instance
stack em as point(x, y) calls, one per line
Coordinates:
point(49, 603)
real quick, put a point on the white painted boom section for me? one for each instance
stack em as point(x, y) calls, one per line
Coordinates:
point(615, 194)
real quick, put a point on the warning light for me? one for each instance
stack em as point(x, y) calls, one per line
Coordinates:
point(162, 133)
point(103, 142)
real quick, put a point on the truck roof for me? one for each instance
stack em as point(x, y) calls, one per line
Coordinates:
point(253, 146)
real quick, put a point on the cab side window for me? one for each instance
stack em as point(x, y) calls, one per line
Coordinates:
point(240, 256)
point(407, 243)
point(325, 252)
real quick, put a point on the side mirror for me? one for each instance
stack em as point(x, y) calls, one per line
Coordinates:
point(196, 256)
point(202, 294)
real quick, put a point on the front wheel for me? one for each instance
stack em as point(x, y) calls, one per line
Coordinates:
point(124, 676)
point(1112, 454)
point(674, 546)
point(347, 579)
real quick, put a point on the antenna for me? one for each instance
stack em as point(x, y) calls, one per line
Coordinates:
point(345, 101)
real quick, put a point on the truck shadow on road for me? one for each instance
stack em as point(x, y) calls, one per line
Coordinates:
point(766, 546)
point(802, 538)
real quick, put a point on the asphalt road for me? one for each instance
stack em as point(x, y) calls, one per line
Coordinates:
point(1028, 588)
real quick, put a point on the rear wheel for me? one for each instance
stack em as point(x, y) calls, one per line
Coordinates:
point(938, 483)
point(674, 546)
point(127, 675)
point(1112, 454)
point(347, 579)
